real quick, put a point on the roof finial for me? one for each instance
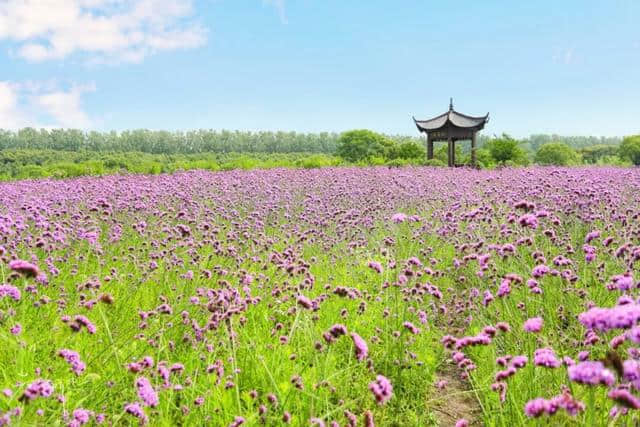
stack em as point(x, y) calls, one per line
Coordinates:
point(450, 104)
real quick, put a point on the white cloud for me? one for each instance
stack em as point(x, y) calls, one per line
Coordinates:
point(104, 30)
point(10, 115)
point(280, 7)
point(43, 105)
point(65, 106)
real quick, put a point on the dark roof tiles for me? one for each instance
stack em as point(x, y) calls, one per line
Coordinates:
point(453, 117)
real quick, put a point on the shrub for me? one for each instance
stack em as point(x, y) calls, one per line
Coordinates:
point(505, 149)
point(408, 150)
point(397, 163)
point(316, 161)
point(358, 145)
point(435, 163)
point(556, 153)
point(630, 149)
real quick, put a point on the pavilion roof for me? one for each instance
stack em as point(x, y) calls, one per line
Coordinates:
point(456, 119)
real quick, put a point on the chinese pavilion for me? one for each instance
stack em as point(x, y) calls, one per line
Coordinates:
point(451, 127)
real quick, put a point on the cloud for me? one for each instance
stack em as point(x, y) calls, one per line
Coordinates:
point(103, 30)
point(65, 106)
point(43, 105)
point(279, 5)
point(10, 115)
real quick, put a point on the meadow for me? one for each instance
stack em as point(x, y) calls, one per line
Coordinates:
point(336, 296)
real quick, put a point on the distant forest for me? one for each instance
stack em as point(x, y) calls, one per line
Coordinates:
point(210, 141)
point(63, 153)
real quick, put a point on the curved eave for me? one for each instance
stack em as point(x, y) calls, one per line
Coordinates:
point(432, 124)
point(484, 118)
point(452, 118)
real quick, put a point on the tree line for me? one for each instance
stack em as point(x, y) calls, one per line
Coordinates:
point(359, 145)
point(165, 142)
point(36, 163)
point(224, 141)
point(60, 153)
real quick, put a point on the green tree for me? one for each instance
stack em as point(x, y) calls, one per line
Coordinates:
point(484, 159)
point(358, 145)
point(630, 149)
point(596, 154)
point(506, 149)
point(408, 150)
point(442, 153)
point(556, 153)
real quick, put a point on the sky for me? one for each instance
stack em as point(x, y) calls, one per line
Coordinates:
point(568, 67)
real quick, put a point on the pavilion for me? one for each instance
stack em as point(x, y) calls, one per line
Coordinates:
point(451, 127)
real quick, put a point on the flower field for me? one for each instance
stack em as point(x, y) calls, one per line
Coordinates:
point(337, 296)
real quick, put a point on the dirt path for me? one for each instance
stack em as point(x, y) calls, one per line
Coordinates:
point(456, 400)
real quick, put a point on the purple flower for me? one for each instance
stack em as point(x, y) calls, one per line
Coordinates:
point(25, 268)
point(305, 302)
point(381, 389)
point(519, 361)
point(528, 220)
point(337, 330)
point(505, 288)
point(146, 393)
point(567, 402)
point(399, 217)
point(536, 407)
point(506, 373)
point(533, 324)
point(38, 388)
point(360, 347)
point(10, 291)
point(376, 266)
point(237, 422)
point(546, 357)
point(540, 270)
point(539, 406)
point(623, 282)
point(81, 416)
point(604, 319)
point(591, 373)
point(73, 359)
point(411, 328)
point(631, 370)
point(136, 410)
point(79, 321)
point(488, 297)
point(625, 398)
point(591, 235)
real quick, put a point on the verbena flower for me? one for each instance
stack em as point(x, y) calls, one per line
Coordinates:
point(360, 346)
point(146, 393)
point(73, 359)
point(591, 373)
point(381, 389)
point(546, 357)
point(533, 324)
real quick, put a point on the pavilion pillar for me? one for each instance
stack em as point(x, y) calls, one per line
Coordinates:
point(453, 153)
point(429, 148)
point(473, 150)
point(449, 156)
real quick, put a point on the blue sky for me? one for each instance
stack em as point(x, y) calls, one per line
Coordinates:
point(568, 67)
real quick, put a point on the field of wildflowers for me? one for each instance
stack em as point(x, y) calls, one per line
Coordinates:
point(337, 296)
